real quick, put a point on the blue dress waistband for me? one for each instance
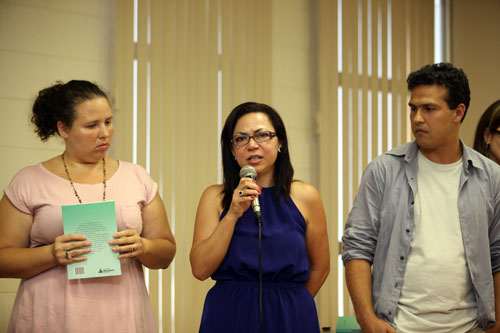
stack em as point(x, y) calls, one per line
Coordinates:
point(266, 284)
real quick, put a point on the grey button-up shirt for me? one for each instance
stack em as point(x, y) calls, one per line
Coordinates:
point(380, 225)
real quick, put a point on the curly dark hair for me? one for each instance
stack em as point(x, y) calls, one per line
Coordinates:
point(491, 120)
point(283, 170)
point(57, 103)
point(446, 75)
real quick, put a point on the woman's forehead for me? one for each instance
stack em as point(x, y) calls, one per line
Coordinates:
point(252, 122)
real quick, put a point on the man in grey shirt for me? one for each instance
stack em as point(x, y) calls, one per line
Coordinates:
point(422, 241)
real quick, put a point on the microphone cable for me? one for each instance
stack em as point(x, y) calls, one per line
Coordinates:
point(249, 171)
point(259, 222)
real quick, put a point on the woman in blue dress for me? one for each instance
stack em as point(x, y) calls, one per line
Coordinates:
point(270, 289)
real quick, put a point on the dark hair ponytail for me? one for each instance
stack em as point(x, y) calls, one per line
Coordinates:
point(57, 103)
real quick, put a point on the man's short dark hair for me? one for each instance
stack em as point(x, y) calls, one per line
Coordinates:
point(445, 75)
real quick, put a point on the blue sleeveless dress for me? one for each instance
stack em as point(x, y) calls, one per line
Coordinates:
point(232, 305)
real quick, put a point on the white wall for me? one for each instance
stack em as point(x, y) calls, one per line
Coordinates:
point(475, 47)
point(42, 41)
point(294, 87)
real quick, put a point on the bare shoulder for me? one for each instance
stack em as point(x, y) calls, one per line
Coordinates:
point(213, 191)
point(212, 197)
point(307, 199)
point(304, 193)
point(208, 213)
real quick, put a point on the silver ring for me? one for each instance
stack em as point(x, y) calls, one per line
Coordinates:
point(133, 247)
point(68, 255)
point(240, 193)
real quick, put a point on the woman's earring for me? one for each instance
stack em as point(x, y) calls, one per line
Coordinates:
point(279, 149)
point(234, 156)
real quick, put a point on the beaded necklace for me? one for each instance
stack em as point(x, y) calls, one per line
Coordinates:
point(73, 186)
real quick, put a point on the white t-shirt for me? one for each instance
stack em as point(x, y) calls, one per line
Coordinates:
point(437, 294)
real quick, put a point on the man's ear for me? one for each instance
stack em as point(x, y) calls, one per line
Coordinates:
point(460, 112)
point(62, 129)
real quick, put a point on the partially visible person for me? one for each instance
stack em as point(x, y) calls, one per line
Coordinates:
point(422, 240)
point(295, 255)
point(33, 246)
point(487, 137)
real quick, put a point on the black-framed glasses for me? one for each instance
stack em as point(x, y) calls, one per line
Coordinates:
point(243, 139)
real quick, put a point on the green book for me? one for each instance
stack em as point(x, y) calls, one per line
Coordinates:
point(97, 222)
point(348, 324)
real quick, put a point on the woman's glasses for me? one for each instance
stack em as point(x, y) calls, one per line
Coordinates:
point(243, 139)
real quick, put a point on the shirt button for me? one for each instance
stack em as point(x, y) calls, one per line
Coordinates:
point(396, 285)
point(401, 258)
point(412, 202)
point(407, 231)
point(389, 313)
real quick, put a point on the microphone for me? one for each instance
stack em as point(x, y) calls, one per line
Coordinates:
point(249, 171)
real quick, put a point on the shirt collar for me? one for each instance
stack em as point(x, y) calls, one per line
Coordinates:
point(409, 151)
point(470, 157)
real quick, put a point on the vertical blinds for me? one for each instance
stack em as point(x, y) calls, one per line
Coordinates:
point(366, 50)
point(190, 63)
point(182, 65)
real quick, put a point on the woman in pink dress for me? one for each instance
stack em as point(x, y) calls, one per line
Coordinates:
point(33, 246)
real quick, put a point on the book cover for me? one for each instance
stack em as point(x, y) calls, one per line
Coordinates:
point(97, 222)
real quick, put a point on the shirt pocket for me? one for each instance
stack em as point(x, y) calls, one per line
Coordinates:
point(130, 218)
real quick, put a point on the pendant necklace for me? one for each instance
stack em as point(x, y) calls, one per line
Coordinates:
point(73, 186)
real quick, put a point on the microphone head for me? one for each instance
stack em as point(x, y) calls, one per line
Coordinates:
point(248, 171)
